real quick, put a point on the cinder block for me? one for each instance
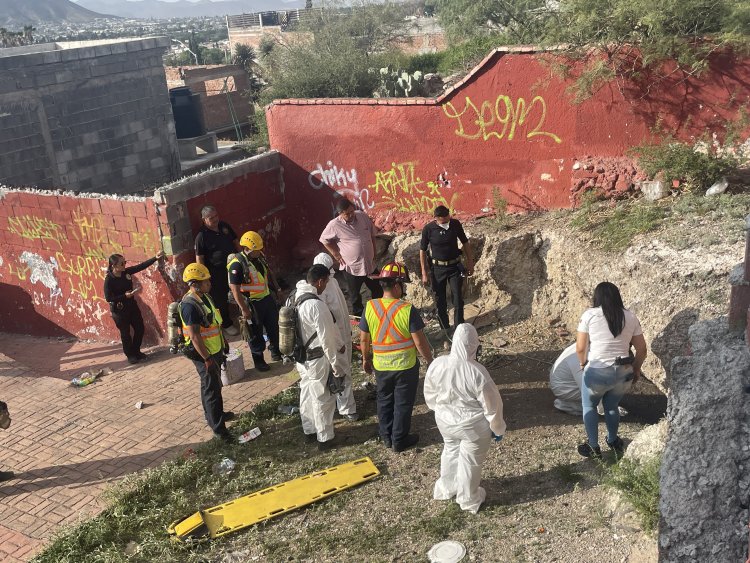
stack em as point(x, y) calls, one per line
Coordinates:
point(111, 207)
point(126, 224)
point(64, 76)
point(129, 171)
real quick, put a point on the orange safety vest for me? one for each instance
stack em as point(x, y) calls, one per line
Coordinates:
point(254, 284)
point(392, 345)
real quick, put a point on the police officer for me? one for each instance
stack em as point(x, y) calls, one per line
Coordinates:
point(391, 333)
point(251, 283)
point(442, 236)
point(201, 323)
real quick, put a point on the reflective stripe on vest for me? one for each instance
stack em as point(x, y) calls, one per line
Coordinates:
point(392, 345)
point(211, 334)
point(253, 284)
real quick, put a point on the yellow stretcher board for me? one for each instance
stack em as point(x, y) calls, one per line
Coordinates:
point(273, 501)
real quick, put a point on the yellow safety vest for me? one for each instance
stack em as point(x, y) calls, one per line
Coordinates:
point(211, 334)
point(254, 284)
point(392, 345)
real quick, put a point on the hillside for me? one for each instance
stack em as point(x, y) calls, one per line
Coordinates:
point(15, 14)
point(159, 9)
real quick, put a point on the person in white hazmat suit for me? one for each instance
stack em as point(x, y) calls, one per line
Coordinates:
point(316, 403)
point(469, 413)
point(334, 298)
point(565, 382)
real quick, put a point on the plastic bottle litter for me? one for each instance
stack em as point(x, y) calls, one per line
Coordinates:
point(287, 409)
point(139, 405)
point(224, 467)
point(85, 379)
point(249, 435)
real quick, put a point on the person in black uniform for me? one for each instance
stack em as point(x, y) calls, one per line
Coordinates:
point(443, 265)
point(119, 293)
point(214, 243)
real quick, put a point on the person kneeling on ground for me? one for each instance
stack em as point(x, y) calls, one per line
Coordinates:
point(565, 382)
point(322, 342)
point(469, 414)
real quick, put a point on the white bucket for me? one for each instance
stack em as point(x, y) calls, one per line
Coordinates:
point(234, 368)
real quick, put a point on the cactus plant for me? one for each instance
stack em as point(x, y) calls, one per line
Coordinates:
point(399, 83)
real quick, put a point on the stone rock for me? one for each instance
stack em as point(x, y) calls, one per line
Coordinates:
point(648, 443)
point(499, 342)
point(653, 190)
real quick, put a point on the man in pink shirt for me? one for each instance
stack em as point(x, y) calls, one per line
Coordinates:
point(350, 238)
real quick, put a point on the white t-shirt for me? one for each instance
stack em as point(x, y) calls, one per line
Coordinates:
point(603, 347)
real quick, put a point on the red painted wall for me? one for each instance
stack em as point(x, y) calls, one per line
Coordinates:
point(511, 124)
point(53, 259)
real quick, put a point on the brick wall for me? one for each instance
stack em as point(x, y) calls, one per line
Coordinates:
point(53, 259)
point(208, 82)
point(87, 116)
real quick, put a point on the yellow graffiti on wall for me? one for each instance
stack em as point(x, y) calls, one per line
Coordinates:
point(31, 227)
point(401, 189)
point(21, 272)
point(501, 119)
point(144, 241)
point(82, 271)
point(94, 238)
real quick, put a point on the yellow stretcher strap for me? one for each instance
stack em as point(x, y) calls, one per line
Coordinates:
point(273, 501)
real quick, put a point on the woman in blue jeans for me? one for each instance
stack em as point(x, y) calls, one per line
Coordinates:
point(605, 335)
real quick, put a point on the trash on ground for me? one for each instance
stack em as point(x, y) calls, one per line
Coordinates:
point(273, 501)
point(718, 188)
point(446, 552)
point(249, 435)
point(87, 377)
point(287, 409)
point(224, 467)
point(233, 369)
point(139, 405)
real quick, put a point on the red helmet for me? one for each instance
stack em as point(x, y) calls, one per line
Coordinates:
point(393, 270)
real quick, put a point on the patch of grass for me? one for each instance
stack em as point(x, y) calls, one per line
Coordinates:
point(441, 525)
point(613, 227)
point(639, 484)
point(567, 473)
point(500, 205)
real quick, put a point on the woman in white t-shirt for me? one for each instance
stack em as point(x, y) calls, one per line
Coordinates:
point(605, 335)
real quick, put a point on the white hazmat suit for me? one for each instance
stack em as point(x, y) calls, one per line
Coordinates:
point(316, 404)
point(468, 409)
point(565, 382)
point(334, 298)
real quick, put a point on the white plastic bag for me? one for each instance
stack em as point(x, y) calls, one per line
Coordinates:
point(234, 368)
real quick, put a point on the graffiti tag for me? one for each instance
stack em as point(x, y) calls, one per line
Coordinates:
point(36, 228)
point(501, 119)
point(42, 271)
point(401, 189)
point(344, 181)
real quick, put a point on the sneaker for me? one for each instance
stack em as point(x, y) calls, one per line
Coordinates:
point(587, 451)
point(232, 330)
point(228, 415)
point(311, 437)
point(352, 417)
point(618, 446)
point(7, 475)
point(387, 444)
point(276, 356)
point(260, 363)
point(133, 360)
point(142, 357)
point(410, 441)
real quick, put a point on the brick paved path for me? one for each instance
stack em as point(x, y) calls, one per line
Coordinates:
point(67, 444)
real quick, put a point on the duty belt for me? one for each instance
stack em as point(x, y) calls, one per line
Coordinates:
point(446, 262)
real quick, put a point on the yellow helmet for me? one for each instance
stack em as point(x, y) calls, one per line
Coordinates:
point(195, 272)
point(252, 240)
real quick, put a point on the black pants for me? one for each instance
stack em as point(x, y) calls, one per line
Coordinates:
point(353, 286)
point(441, 277)
point(397, 391)
point(220, 294)
point(266, 316)
point(125, 319)
point(213, 404)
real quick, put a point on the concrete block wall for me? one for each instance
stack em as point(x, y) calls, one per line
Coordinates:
point(87, 116)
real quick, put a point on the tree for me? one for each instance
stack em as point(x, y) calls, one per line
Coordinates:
point(245, 56)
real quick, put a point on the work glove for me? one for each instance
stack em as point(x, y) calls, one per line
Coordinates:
point(335, 384)
point(496, 437)
point(246, 329)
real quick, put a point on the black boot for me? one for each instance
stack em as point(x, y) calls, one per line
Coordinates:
point(260, 363)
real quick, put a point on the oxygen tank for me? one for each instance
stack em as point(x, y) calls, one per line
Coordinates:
point(174, 324)
point(287, 330)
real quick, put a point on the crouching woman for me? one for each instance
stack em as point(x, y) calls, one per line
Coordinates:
point(469, 414)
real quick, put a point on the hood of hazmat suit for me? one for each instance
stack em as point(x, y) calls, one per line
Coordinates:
point(459, 389)
point(334, 298)
point(565, 381)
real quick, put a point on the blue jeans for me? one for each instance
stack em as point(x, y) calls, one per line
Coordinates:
point(609, 385)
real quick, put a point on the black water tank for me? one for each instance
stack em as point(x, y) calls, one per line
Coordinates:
point(186, 108)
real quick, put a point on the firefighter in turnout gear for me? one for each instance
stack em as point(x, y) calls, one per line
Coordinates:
point(252, 283)
point(391, 334)
point(201, 324)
